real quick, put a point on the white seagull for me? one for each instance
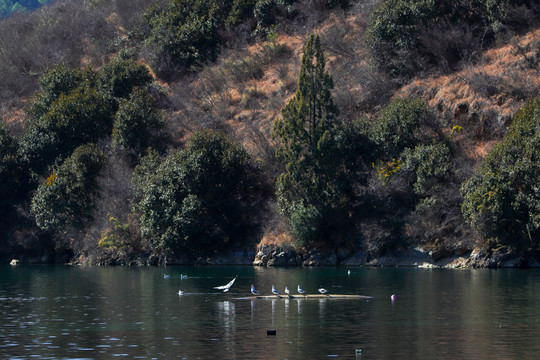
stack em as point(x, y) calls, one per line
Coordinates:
point(274, 291)
point(226, 288)
point(253, 291)
point(180, 292)
point(301, 291)
point(287, 291)
point(322, 291)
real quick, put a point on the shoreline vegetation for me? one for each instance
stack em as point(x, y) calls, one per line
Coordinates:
point(271, 133)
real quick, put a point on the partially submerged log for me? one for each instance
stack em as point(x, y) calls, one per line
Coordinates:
point(304, 297)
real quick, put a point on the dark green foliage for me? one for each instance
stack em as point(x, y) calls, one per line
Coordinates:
point(14, 186)
point(195, 198)
point(53, 83)
point(405, 35)
point(240, 10)
point(502, 200)
point(137, 124)
point(73, 119)
point(120, 76)
point(426, 166)
point(66, 198)
point(266, 13)
point(184, 31)
point(12, 170)
point(307, 146)
point(404, 123)
point(75, 107)
point(184, 34)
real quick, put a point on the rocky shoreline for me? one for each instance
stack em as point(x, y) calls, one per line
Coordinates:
point(272, 255)
point(283, 255)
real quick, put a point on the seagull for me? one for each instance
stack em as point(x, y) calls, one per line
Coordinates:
point(348, 272)
point(287, 291)
point(301, 291)
point(226, 288)
point(182, 276)
point(253, 291)
point(180, 292)
point(165, 276)
point(274, 291)
point(393, 297)
point(322, 291)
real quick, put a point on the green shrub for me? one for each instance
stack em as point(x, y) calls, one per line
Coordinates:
point(73, 119)
point(404, 123)
point(137, 124)
point(240, 10)
point(267, 12)
point(502, 200)
point(53, 83)
point(120, 76)
point(13, 172)
point(195, 197)
point(401, 33)
point(308, 224)
point(185, 31)
point(66, 198)
point(426, 166)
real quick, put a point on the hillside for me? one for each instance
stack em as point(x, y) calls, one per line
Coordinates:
point(418, 120)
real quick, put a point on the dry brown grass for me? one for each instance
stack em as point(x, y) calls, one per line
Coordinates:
point(483, 97)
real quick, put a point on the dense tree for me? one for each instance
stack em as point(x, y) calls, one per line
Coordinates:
point(502, 200)
point(407, 36)
point(76, 107)
point(137, 123)
point(425, 167)
point(195, 197)
point(305, 132)
point(14, 179)
point(74, 119)
point(12, 170)
point(121, 75)
point(404, 123)
point(54, 82)
point(184, 32)
point(66, 197)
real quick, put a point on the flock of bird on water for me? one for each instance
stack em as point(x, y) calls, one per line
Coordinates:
point(301, 291)
point(227, 287)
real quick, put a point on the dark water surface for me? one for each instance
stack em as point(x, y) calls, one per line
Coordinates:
point(66, 312)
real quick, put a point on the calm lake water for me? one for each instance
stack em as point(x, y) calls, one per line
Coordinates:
point(67, 312)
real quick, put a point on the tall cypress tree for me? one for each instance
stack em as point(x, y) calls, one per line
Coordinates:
point(305, 132)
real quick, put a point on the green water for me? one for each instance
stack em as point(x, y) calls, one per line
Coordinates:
point(65, 312)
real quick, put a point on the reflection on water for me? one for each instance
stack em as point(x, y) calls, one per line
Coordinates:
point(57, 312)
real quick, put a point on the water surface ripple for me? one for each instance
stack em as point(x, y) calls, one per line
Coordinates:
point(66, 312)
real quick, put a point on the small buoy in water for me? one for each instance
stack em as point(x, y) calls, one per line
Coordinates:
point(165, 276)
point(270, 332)
point(393, 297)
point(180, 292)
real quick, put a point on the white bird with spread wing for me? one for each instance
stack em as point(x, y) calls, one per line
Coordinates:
point(226, 288)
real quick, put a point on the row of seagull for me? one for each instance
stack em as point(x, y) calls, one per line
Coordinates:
point(228, 286)
point(287, 291)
